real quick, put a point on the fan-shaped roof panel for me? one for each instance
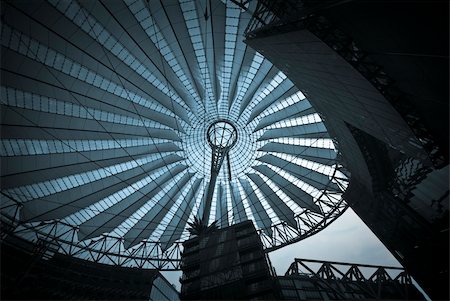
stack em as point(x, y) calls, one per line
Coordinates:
point(106, 108)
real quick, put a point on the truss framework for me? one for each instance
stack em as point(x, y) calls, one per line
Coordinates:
point(107, 249)
point(363, 276)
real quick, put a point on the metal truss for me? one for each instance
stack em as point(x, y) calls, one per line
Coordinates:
point(63, 237)
point(222, 136)
point(275, 12)
point(367, 278)
point(263, 15)
point(331, 204)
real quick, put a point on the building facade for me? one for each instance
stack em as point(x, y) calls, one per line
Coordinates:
point(37, 271)
point(383, 94)
point(227, 264)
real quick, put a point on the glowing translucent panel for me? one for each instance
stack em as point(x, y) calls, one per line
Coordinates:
point(89, 24)
point(21, 99)
point(111, 132)
point(55, 60)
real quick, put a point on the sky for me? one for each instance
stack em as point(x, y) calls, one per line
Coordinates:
point(347, 239)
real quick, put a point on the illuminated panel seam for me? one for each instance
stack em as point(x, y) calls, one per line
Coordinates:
point(22, 99)
point(42, 189)
point(33, 49)
point(88, 24)
point(150, 27)
point(191, 20)
point(244, 82)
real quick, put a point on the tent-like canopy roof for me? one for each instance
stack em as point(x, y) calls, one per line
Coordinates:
point(105, 109)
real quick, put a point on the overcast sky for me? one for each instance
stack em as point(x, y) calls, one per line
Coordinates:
point(347, 239)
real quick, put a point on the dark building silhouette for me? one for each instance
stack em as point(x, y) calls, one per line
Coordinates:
point(37, 272)
point(228, 264)
point(379, 78)
point(325, 280)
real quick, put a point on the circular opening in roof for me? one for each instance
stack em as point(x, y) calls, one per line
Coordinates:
point(221, 135)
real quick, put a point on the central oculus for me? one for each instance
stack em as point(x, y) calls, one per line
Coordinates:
point(222, 136)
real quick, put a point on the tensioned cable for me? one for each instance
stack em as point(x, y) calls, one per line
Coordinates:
point(74, 149)
point(177, 124)
point(279, 187)
point(76, 99)
point(167, 84)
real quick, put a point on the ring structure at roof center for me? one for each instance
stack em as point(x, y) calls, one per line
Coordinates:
point(106, 118)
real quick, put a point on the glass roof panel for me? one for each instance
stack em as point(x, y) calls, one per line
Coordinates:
point(117, 116)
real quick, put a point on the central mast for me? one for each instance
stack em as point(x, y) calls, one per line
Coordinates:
point(222, 136)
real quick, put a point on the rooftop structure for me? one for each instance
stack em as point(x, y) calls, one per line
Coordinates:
point(325, 280)
point(227, 264)
point(122, 121)
point(110, 117)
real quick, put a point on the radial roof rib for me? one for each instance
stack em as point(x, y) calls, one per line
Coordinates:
point(298, 109)
point(299, 131)
point(55, 123)
point(239, 214)
point(171, 30)
point(25, 146)
point(265, 74)
point(281, 209)
point(320, 155)
point(284, 90)
point(134, 103)
point(30, 176)
point(313, 178)
point(150, 221)
point(58, 205)
point(215, 46)
point(221, 205)
point(183, 48)
point(115, 215)
point(19, 117)
point(79, 106)
point(228, 60)
point(36, 209)
point(179, 220)
point(303, 199)
point(29, 163)
point(256, 73)
point(138, 44)
point(200, 41)
point(128, 66)
point(98, 79)
point(243, 56)
point(262, 219)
